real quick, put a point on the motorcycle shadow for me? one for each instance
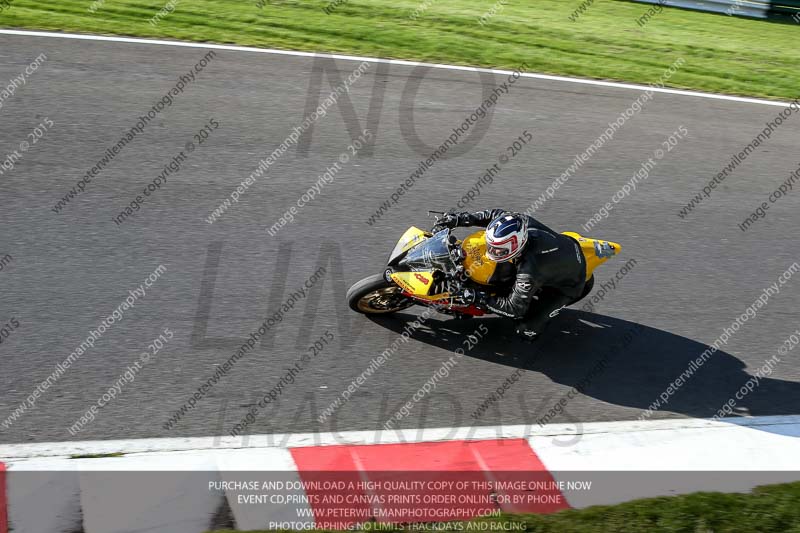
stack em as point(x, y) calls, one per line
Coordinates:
point(618, 362)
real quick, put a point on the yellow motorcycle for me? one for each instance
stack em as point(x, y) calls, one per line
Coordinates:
point(427, 268)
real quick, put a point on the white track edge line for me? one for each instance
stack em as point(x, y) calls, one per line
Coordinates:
point(297, 440)
point(618, 85)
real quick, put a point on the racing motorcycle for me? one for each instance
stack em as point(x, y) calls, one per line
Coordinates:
point(431, 269)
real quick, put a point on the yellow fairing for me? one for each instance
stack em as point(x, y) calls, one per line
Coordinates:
point(417, 283)
point(596, 251)
point(479, 266)
point(410, 238)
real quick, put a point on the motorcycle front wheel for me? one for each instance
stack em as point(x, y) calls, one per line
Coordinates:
point(374, 295)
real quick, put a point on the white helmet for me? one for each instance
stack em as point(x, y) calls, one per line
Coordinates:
point(506, 237)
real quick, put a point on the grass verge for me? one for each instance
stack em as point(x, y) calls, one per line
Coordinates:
point(723, 54)
point(97, 455)
point(768, 508)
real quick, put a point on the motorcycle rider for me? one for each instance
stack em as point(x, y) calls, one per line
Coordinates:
point(536, 261)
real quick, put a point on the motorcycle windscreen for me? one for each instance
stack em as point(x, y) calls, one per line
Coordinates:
point(410, 238)
point(430, 254)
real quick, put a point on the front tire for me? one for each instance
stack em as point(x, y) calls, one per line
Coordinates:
point(376, 296)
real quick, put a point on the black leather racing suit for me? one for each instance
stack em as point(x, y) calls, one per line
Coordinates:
point(551, 267)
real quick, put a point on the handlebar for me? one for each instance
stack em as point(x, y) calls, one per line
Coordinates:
point(438, 215)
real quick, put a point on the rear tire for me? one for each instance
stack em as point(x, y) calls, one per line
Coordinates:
point(376, 296)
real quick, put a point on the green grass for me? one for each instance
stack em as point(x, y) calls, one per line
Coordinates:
point(766, 509)
point(723, 54)
point(96, 455)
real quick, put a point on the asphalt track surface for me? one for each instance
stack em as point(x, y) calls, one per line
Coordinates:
point(70, 270)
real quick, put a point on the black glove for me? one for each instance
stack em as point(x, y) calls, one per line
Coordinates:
point(447, 220)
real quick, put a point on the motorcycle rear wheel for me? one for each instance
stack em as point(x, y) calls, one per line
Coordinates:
point(376, 296)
